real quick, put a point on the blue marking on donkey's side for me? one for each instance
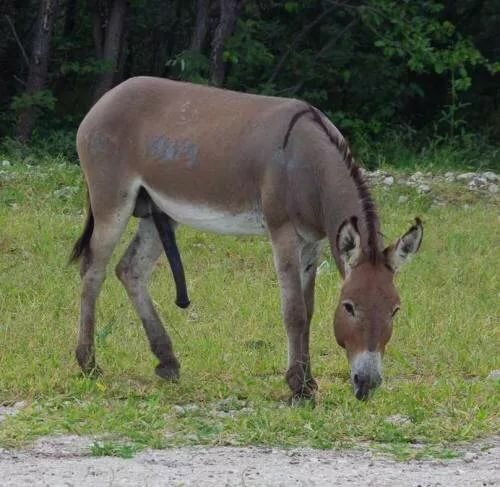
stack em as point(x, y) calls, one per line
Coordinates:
point(165, 149)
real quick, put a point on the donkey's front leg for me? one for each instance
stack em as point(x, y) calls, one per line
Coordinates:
point(287, 247)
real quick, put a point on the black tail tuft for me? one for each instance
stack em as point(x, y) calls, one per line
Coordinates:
point(82, 244)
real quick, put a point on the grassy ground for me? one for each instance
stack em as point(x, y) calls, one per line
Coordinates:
point(231, 342)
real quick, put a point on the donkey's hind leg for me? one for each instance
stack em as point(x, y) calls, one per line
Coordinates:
point(107, 230)
point(134, 271)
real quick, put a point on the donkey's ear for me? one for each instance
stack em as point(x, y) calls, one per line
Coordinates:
point(405, 247)
point(349, 244)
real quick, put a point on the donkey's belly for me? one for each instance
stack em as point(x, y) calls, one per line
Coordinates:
point(205, 217)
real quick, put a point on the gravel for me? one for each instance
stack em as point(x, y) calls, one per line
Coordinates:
point(64, 461)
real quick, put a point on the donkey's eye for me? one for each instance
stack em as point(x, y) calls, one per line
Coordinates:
point(349, 307)
point(394, 311)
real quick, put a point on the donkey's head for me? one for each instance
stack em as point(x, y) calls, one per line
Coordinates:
point(368, 302)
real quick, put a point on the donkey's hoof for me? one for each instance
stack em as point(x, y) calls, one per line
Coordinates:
point(86, 360)
point(93, 373)
point(168, 371)
point(306, 395)
point(301, 399)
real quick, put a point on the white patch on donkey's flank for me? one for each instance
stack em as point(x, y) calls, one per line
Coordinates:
point(203, 217)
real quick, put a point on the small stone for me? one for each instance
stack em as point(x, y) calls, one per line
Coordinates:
point(466, 206)
point(494, 375)
point(466, 175)
point(449, 174)
point(388, 181)
point(398, 419)
point(417, 175)
point(191, 407)
point(469, 457)
point(493, 188)
point(402, 199)
point(5, 163)
point(490, 176)
point(477, 182)
point(178, 409)
point(424, 188)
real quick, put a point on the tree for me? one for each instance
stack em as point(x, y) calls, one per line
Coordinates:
point(38, 68)
point(108, 29)
point(201, 24)
point(229, 12)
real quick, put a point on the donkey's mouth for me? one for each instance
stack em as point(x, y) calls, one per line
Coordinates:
point(363, 392)
point(366, 374)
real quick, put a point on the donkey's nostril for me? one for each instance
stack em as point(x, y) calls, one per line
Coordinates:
point(356, 379)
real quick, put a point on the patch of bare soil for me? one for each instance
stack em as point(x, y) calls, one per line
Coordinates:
point(65, 461)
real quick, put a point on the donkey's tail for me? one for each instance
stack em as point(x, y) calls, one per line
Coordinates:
point(82, 244)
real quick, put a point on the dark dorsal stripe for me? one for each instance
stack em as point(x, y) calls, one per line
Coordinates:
point(367, 203)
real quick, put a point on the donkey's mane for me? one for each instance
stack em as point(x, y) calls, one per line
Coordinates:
point(367, 203)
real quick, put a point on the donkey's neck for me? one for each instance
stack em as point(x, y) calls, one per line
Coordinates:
point(344, 194)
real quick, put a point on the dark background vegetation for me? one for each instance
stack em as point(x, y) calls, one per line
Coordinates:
point(398, 77)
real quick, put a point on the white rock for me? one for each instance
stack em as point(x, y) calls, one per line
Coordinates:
point(398, 419)
point(477, 182)
point(449, 174)
point(5, 163)
point(388, 181)
point(466, 175)
point(402, 199)
point(178, 409)
point(469, 457)
point(424, 188)
point(490, 176)
point(494, 375)
point(493, 188)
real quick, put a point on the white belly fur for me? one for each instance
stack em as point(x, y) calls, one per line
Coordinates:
point(202, 217)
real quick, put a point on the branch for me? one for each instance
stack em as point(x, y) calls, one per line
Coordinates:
point(23, 52)
point(292, 90)
point(296, 41)
point(334, 40)
point(19, 80)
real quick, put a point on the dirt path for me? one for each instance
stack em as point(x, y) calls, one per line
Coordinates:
point(64, 461)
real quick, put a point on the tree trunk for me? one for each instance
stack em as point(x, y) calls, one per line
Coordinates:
point(113, 38)
point(70, 20)
point(200, 28)
point(39, 65)
point(229, 11)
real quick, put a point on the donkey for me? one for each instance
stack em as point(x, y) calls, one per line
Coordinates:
point(237, 163)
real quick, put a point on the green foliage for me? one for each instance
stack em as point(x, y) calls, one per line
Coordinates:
point(190, 66)
point(375, 66)
point(89, 67)
point(42, 100)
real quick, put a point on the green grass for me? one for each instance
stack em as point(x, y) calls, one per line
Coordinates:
point(231, 342)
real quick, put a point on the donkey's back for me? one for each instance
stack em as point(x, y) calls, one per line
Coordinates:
point(186, 143)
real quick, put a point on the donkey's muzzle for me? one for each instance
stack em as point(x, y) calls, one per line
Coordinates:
point(363, 384)
point(366, 373)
